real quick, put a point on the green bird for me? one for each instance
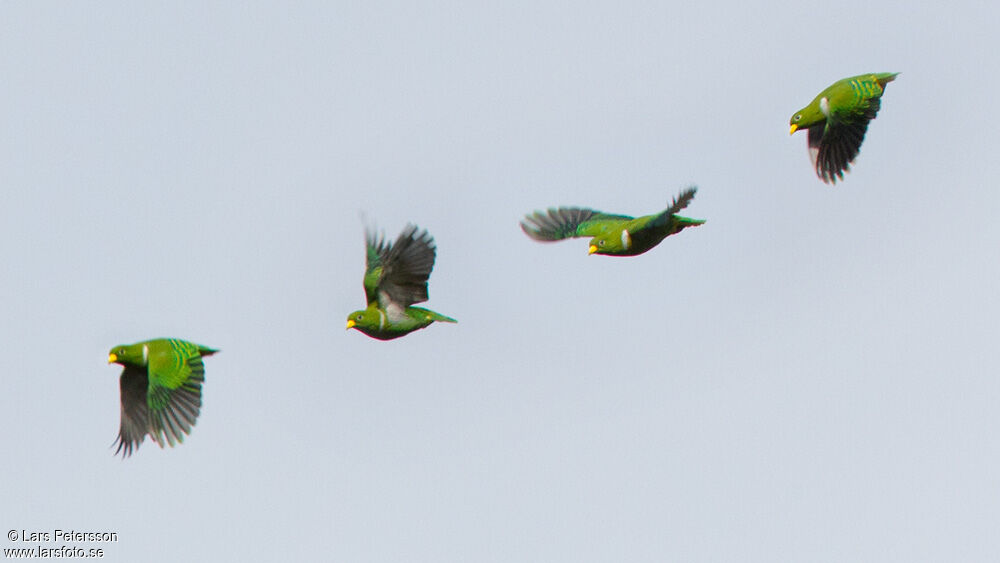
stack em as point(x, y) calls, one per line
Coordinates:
point(837, 121)
point(613, 235)
point(396, 278)
point(161, 390)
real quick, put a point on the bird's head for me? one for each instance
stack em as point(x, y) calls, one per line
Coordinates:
point(371, 318)
point(806, 117)
point(133, 354)
point(616, 242)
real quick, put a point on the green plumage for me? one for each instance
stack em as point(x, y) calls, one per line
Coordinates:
point(395, 279)
point(837, 120)
point(160, 390)
point(612, 235)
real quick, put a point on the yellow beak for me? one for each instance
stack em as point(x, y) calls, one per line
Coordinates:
point(593, 249)
point(112, 358)
point(350, 324)
point(793, 129)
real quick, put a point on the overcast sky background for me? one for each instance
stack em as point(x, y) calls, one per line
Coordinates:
point(810, 376)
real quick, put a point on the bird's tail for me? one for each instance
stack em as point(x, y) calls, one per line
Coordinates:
point(205, 350)
point(884, 78)
point(441, 318)
point(428, 315)
point(687, 222)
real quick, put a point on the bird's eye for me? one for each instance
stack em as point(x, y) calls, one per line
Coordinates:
point(798, 117)
point(359, 317)
point(600, 243)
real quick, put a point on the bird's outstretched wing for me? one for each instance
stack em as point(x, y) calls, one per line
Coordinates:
point(174, 396)
point(397, 274)
point(135, 414)
point(834, 145)
point(566, 222)
point(682, 200)
point(668, 215)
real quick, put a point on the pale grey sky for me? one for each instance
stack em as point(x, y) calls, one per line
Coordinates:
point(810, 376)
